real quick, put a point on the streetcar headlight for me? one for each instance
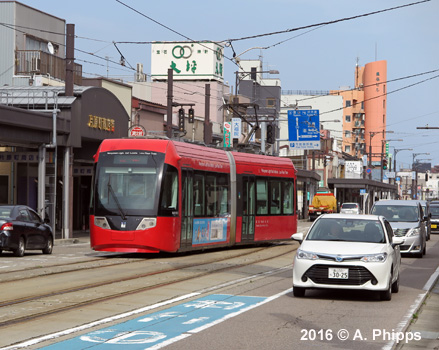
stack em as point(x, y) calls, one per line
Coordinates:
point(102, 222)
point(147, 223)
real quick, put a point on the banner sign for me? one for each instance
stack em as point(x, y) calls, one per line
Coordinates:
point(236, 128)
point(227, 140)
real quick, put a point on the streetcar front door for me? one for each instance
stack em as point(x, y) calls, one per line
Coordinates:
point(248, 208)
point(187, 211)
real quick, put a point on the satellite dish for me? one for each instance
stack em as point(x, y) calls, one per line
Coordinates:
point(50, 48)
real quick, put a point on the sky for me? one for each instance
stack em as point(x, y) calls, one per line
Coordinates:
point(320, 58)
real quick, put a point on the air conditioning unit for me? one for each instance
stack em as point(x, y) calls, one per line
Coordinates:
point(140, 76)
point(216, 128)
point(35, 64)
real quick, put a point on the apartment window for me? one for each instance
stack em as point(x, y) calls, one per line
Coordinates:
point(347, 149)
point(347, 133)
point(348, 103)
point(348, 118)
point(271, 102)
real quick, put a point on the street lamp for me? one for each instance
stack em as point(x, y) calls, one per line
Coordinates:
point(395, 152)
point(415, 180)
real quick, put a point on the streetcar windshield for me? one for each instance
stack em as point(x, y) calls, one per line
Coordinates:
point(127, 183)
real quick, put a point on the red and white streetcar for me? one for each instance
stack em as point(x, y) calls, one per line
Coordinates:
point(152, 195)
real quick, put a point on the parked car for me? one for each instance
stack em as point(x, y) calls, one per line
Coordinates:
point(21, 228)
point(343, 251)
point(407, 220)
point(426, 209)
point(350, 208)
point(434, 211)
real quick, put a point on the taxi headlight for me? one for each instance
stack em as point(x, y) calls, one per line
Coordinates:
point(381, 257)
point(301, 254)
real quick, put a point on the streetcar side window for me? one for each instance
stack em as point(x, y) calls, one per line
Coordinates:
point(212, 195)
point(199, 195)
point(275, 200)
point(288, 197)
point(275, 196)
point(261, 195)
point(169, 191)
point(223, 196)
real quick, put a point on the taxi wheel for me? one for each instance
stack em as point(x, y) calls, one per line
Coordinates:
point(395, 286)
point(386, 295)
point(299, 292)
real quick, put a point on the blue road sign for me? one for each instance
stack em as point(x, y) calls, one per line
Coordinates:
point(163, 327)
point(304, 129)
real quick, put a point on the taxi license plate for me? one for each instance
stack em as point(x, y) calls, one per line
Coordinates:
point(338, 273)
point(433, 226)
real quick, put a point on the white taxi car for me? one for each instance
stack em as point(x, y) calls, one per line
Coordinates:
point(345, 251)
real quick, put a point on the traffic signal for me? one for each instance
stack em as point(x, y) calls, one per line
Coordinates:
point(385, 164)
point(191, 115)
point(270, 133)
point(181, 119)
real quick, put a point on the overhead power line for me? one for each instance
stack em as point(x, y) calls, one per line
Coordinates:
point(325, 23)
point(386, 93)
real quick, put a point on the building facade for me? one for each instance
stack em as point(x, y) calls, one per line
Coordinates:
point(364, 113)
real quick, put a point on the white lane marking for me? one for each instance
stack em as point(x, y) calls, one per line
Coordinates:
point(404, 324)
point(96, 323)
point(228, 316)
point(431, 280)
point(406, 320)
point(134, 312)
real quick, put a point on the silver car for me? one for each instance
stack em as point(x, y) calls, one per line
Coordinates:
point(407, 220)
point(350, 208)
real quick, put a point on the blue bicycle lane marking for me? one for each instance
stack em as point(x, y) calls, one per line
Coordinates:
point(163, 327)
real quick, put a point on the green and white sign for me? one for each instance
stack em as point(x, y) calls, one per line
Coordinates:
point(188, 60)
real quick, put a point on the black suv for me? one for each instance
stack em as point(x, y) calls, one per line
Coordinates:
point(434, 211)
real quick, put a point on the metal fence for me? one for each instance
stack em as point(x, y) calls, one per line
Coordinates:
point(28, 62)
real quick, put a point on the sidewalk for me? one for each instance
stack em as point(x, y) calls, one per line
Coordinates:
point(79, 236)
point(425, 323)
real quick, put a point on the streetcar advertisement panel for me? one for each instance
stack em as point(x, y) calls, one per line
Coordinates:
point(209, 231)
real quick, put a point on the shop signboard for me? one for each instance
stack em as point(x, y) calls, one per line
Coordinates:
point(188, 60)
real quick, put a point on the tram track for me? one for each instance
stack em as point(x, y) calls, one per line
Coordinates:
point(32, 273)
point(118, 288)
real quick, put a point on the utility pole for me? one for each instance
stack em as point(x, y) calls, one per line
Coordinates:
point(170, 97)
point(70, 59)
point(207, 130)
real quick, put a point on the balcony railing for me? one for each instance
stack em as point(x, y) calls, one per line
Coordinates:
point(30, 62)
